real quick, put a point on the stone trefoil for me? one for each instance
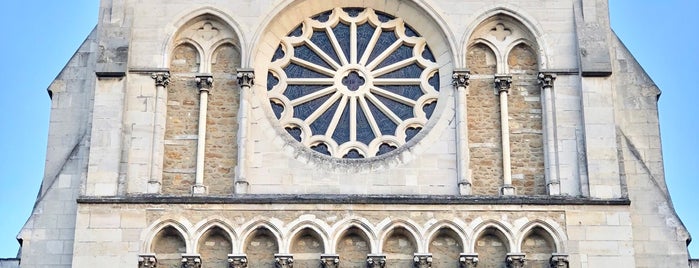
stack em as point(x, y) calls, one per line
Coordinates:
point(502, 88)
point(460, 79)
point(162, 80)
point(246, 79)
point(204, 83)
point(546, 81)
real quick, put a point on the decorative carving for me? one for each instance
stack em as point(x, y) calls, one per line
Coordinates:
point(161, 79)
point(147, 261)
point(460, 78)
point(246, 77)
point(500, 32)
point(423, 260)
point(559, 260)
point(515, 260)
point(376, 261)
point(237, 261)
point(207, 31)
point(502, 83)
point(330, 261)
point(204, 82)
point(546, 79)
point(191, 261)
point(284, 260)
point(468, 260)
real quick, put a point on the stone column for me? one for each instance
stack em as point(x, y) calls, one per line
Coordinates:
point(559, 260)
point(422, 260)
point(246, 78)
point(284, 260)
point(468, 260)
point(376, 261)
point(204, 83)
point(156, 161)
point(515, 260)
point(237, 261)
point(552, 181)
point(502, 87)
point(147, 261)
point(460, 81)
point(330, 261)
point(191, 261)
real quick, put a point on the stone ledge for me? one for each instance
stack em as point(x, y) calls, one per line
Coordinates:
point(355, 199)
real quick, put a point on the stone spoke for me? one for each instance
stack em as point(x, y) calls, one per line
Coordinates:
point(384, 109)
point(336, 46)
point(326, 105)
point(336, 117)
point(370, 117)
point(393, 96)
point(313, 96)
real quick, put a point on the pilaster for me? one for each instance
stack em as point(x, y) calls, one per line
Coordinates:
point(246, 79)
point(553, 184)
point(460, 80)
point(162, 80)
point(204, 83)
point(502, 89)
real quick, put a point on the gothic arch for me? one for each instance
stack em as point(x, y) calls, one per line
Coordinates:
point(251, 228)
point(175, 27)
point(552, 230)
point(209, 224)
point(443, 225)
point(308, 226)
point(151, 232)
point(365, 230)
point(413, 232)
point(501, 230)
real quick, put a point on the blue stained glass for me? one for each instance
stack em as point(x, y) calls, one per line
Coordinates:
point(427, 54)
point(271, 81)
point(409, 31)
point(353, 11)
point(277, 108)
point(412, 92)
point(385, 148)
point(410, 71)
point(294, 132)
point(298, 31)
point(403, 111)
point(353, 154)
point(323, 17)
point(383, 17)
point(320, 126)
point(278, 54)
point(321, 39)
point(364, 133)
point(297, 71)
point(434, 81)
point(304, 52)
point(403, 52)
point(386, 39)
point(364, 34)
point(429, 108)
point(385, 124)
point(342, 33)
point(302, 111)
point(411, 132)
point(296, 91)
point(321, 148)
point(341, 134)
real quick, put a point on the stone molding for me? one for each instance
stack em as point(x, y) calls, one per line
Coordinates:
point(191, 261)
point(147, 261)
point(161, 79)
point(559, 260)
point(237, 261)
point(204, 82)
point(376, 261)
point(330, 261)
point(515, 260)
point(460, 78)
point(422, 260)
point(502, 83)
point(284, 260)
point(546, 79)
point(246, 77)
point(468, 260)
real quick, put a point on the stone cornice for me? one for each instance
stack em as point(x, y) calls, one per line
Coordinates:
point(356, 199)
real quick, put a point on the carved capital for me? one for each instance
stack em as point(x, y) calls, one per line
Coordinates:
point(246, 77)
point(460, 78)
point(546, 79)
point(204, 82)
point(515, 260)
point(237, 261)
point(147, 261)
point(559, 260)
point(376, 261)
point(468, 260)
point(330, 261)
point(422, 260)
point(161, 79)
point(284, 260)
point(503, 83)
point(191, 261)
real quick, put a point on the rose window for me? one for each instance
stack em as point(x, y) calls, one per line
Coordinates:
point(353, 83)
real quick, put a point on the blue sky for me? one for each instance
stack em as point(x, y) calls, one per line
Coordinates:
point(39, 36)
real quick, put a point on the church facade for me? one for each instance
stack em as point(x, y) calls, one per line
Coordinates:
point(313, 133)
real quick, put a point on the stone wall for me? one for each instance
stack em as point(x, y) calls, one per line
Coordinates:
point(538, 247)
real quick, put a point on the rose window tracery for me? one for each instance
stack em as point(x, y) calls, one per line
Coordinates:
point(353, 83)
